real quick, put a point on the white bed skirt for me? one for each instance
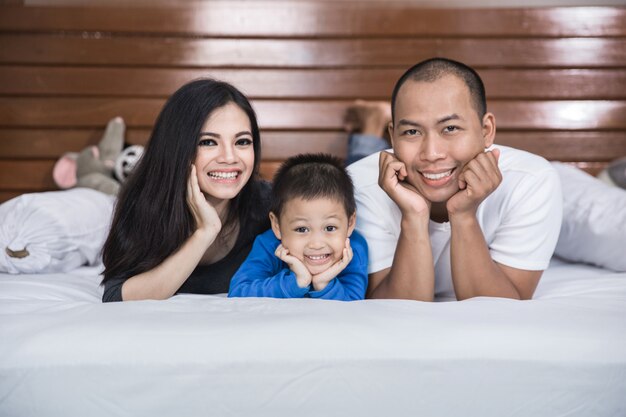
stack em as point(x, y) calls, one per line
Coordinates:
point(63, 353)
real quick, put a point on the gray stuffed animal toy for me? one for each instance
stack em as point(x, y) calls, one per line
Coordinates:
point(96, 166)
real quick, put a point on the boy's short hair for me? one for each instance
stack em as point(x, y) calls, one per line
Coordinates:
point(312, 176)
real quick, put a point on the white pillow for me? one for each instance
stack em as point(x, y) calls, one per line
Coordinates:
point(54, 231)
point(594, 220)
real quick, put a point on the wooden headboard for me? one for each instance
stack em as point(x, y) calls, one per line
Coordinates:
point(555, 77)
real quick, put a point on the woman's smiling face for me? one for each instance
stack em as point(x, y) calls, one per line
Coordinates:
point(225, 156)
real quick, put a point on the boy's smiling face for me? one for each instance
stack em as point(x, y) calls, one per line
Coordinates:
point(314, 231)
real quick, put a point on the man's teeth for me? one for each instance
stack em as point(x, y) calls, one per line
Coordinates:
point(223, 175)
point(437, 176)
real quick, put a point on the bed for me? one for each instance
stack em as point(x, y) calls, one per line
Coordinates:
point(63, 352)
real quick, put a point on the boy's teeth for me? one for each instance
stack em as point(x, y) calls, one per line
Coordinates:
point(437, 176)
point(223, 174)
point(317, 257)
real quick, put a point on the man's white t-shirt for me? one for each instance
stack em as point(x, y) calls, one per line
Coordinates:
point(520, 220)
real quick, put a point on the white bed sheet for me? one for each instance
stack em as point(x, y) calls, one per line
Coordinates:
point(63, 353)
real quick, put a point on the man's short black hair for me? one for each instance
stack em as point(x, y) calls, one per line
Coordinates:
point(435, 68)
point(312, 176)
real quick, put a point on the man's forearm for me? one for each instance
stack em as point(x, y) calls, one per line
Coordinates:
point(474, 273)
point(412, 274)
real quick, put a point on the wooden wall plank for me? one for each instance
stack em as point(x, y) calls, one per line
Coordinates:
point(317, 53)
point(26, 175)
point(51, 143)
point(35, 176)
point(304, 115)
point(374, 84)
point(566, 145)
point(7, 195)
point(555, 77)
point(20, 177)
point(292, 19)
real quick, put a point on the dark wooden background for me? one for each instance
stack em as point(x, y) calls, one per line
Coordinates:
point(555, 77)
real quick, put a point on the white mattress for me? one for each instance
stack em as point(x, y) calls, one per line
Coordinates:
point(63, 353)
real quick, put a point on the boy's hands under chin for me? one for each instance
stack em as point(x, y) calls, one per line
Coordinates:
point(321, 280)
point(391, 175)
point(479, 178)
point(303, 276)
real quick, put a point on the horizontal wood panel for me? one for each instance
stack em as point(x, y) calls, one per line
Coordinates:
point(566, 146)
point(297, 53)
point(301, 83)
point(35, 176)
point(311, 18)
point(302, 115)
point(7, 195)
point(18, 177)
point(51, 143)
point(26, 175)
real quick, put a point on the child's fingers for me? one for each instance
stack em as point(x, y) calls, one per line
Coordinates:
point(280, 252)
point(347, 255)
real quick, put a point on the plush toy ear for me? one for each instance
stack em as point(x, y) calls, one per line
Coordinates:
point(64, 171)
point(112, 142)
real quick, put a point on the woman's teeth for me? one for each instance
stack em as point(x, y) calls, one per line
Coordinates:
point(223, 175)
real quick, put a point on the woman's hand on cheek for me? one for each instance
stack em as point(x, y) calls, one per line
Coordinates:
point(207, 218)
point(303, 276)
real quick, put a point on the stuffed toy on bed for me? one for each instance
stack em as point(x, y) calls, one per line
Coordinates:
point(103, 167)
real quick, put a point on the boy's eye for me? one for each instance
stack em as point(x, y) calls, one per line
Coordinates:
point(331, 228)
point(244, 142)
point(301, 229)
point(207, 142)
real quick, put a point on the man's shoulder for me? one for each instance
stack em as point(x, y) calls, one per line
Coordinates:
point(364, 172)
point(523, 162)
point(526, 178)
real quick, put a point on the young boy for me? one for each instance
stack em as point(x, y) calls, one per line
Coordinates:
point(312, 249)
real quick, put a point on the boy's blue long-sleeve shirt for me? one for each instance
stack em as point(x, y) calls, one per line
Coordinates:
point(263, 274)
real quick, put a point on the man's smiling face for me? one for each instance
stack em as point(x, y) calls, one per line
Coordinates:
point(436, 132)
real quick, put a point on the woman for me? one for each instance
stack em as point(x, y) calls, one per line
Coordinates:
point(187, 216)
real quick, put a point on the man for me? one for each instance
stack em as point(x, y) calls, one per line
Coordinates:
point(446, 213)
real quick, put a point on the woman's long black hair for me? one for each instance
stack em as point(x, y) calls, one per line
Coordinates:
point(152, 219)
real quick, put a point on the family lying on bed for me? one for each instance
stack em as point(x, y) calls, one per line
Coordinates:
point(447, 213)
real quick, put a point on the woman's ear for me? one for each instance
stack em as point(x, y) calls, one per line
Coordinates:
point(275, 225)
point(351, 223)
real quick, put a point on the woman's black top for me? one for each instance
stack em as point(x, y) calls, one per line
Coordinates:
point(214, 278)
